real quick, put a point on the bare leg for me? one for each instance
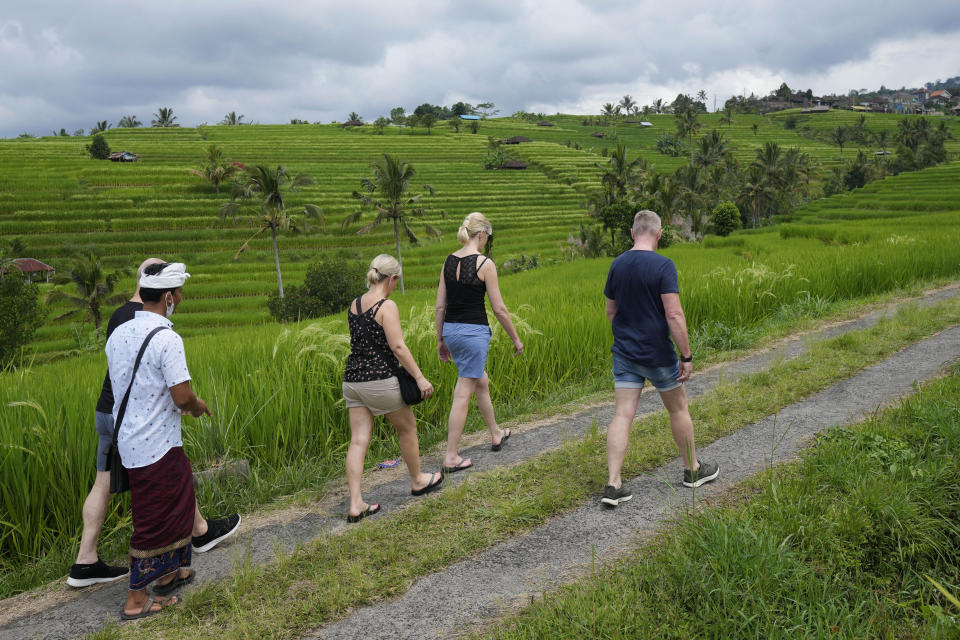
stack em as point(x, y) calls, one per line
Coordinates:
point(618, 433)
point(406, 425)
point(136, 600)
point(94, 511)
point(361, 426)
point(199, 522)
point(458, 417)
point(485, 404)
point(681, 424)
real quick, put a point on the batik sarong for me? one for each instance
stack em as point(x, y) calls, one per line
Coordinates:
point(162, 504)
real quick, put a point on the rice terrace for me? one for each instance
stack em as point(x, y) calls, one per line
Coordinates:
point(823, 315)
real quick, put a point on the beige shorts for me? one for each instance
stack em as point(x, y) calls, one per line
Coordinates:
point(379, 396)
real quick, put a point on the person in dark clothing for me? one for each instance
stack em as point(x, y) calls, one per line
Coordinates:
point(643, 306)
point(463, 333)
point(88, 568)
point(371, 387)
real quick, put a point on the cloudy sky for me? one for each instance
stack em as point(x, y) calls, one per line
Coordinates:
point(70, 64)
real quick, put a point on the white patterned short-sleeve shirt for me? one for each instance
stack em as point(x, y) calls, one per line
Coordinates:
point(151, 424)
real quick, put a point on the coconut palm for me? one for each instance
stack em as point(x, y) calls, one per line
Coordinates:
point(129, 122)
point(94, 289)
point(619, 176)
point(214, 167)
point(687, 126)
point(264, 187)
point(232, 119)
point(756, 192)
point(882, 138)
point(627, 103)
point(608, 109)
point(163, 118)
point(657, 105)
point(353, 115)
point(840, 136)
point(727, 117)
point(711, 149)
point(99, 127)
point(755, 127)
point(387, 192)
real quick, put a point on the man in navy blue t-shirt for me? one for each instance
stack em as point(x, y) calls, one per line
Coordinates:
point(643, 305)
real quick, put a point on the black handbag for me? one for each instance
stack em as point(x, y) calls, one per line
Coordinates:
point(409, 389)
point(119, 480)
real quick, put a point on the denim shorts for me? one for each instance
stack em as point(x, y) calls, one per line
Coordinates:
point(630, 375)
point(469, 345)
point(104, 437)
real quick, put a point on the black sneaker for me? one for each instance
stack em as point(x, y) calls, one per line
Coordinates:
point(707, 472)
point(217, 531)
point(613, 496)
point(84, 575)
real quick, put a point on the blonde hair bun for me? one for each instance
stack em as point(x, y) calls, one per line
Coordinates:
point(472, 225)
point(382, 267)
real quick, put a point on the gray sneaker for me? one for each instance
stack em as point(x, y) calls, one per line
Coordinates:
point(707, 472)
point(613, 496)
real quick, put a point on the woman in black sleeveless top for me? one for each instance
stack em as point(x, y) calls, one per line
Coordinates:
point(370, 385)
point(463, 333)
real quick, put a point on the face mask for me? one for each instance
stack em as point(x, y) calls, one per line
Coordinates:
point(170, 306)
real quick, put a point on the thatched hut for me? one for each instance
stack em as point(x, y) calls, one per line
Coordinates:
point(516, 140)
point(513, 164)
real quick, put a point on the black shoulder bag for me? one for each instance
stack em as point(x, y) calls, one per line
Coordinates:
point(119, 480)
point(409, 389)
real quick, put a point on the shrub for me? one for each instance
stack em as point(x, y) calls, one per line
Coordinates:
point(725, 219)
point(99, 149)
point(329, 287)
point(523, 263)
point(20, 313)
point(790, 122)
point(670, 145)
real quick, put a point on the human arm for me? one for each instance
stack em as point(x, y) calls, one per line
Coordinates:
point(187, 401)
point(489, 272)
point(611, 309)
point(440, 313)
point(678, 330)
point(389, 317)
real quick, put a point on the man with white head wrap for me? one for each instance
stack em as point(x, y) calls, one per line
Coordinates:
point(89, 569)
point(162, 500)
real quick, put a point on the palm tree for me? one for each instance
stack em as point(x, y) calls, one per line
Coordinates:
point(94, 289)
point(711, 149)
point(620, 175)
point(756, 127)
point(428, 120)
point(99, 127)
point(667, 194)
point(386, 192)
point(687, 126)
point(727, 117)
point(264, 186)
point(608, 109)
point(163, 118)
point(214, 167)
point(657, 105)
point(129, 122)
point(627, 103)
point(755, 190)
point(232, 119)
point(840, 136)
point(353, 115)
point(882, 138)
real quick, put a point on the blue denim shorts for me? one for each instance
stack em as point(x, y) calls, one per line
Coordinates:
point(468, 344)
point(104, 438)
point(630, 375)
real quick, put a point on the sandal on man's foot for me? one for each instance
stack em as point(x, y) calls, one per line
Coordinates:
point(433, 486)
point(148, 610)
point(460, 466)
point(503, 441)
point(173, 585)
point(369, 511)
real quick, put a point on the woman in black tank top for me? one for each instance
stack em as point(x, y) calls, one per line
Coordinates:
point(370, 385)
point(463, 333)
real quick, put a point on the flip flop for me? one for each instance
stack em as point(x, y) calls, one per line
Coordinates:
point(503, 440)
point(460, 466)
point(147, 610)
point(173, 585)
point(433, 486)
point(388, 464)
point(369, 511)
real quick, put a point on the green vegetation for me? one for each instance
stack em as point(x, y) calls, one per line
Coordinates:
point(735, 291)
point(827, 549)
point(381, 558)
point(20, 312)
point(329, 287)
point(99, 149)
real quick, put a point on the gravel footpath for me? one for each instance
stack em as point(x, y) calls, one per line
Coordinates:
point(72, 613)
point(499, 580)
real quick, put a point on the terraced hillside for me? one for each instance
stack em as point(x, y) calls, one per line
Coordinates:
point(56, 199)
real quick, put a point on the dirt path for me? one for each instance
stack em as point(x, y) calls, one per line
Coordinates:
point(469, 594)
point(59, 612)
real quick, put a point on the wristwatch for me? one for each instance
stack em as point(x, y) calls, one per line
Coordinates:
point(689, 358)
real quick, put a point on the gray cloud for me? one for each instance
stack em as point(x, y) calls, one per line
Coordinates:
point(70, 64)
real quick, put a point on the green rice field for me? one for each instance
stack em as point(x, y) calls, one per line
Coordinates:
point(275, 390)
